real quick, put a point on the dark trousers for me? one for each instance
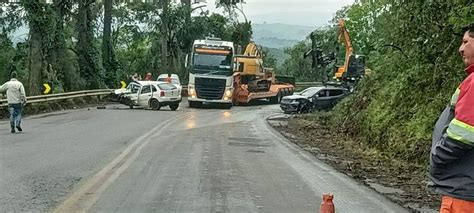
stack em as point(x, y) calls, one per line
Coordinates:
point(15, 114)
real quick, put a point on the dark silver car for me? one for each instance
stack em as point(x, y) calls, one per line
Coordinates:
point(313, 98)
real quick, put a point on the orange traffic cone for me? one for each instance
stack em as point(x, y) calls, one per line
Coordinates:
point(327, 206)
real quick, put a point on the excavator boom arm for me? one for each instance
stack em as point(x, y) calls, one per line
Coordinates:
point(252, 50)
point(344, 38)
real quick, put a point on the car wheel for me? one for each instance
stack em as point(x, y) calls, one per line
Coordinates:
point(155, 104)
point(131, 106)
point(174, 107)
point(299, 109)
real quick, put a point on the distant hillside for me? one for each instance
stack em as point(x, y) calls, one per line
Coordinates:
point(274, 42)
point(279, 35)
point(278, 54)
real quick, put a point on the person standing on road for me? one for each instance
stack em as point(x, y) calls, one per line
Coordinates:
point(16, 98)
point(452, 155)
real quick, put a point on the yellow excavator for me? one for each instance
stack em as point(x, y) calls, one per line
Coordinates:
point(353, 68)
point(254, 81)
point(252, 70)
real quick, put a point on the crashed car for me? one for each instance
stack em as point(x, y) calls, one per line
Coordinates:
point(313, 98)
point(150, 94)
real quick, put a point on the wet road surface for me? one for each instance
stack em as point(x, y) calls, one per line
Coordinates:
point(190, 160)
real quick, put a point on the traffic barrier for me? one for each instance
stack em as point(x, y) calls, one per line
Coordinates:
point(327, 206)
point(62, 96)
point(85, 93)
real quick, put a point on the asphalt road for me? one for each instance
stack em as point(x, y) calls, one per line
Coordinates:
point(190, 160)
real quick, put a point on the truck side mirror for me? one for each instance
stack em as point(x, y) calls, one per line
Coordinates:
point(186, 61)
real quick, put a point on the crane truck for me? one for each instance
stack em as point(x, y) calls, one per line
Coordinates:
point(218, 75)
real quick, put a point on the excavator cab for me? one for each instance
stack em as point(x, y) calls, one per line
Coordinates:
point(356, 68)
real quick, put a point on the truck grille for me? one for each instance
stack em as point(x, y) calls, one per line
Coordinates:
point(209, 88)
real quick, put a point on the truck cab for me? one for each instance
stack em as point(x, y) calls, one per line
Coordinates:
point(211, 73)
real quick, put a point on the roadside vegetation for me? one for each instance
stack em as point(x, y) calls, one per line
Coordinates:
point(89, 44)
point(412, 50)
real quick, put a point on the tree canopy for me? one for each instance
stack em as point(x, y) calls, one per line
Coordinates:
point(90, 44)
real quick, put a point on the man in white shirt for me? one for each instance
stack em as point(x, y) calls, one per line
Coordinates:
point(16, 97)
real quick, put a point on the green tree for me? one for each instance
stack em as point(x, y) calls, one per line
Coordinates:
point(87, 54)
point(412, 50)
point(108, 54)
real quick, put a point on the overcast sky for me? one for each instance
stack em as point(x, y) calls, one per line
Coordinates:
point(299, 12)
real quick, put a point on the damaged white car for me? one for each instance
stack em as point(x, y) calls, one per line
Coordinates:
point(150, 94)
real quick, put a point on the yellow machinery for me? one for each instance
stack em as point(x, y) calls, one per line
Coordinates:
point(251, 70)
point(344, 37)
point(253, 81)
point(354, 65)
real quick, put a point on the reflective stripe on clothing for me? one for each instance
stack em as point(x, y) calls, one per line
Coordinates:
point(454, 98)
point(461, 131)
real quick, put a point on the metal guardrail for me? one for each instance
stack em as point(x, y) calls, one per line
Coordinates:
point(85, 93)
point(308, 84)
point(62, 96)
point(298, 84)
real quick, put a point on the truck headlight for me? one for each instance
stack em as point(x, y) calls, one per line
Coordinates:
point(191, 91)
point(228, 93)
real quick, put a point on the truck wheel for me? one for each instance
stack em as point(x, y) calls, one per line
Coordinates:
point(174, 107)
point(155, 104)
point(276, 99)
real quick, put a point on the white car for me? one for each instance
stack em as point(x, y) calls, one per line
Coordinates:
point(174, 79)
point(151, 94)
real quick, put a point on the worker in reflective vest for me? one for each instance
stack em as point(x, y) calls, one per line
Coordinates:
point(452, 154)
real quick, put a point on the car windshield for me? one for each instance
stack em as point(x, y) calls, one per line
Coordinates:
point(310, 92)
point(212, 64)
point(173, 80)
point(166, 86)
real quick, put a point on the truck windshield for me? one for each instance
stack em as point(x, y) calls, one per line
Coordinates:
point(212, 64)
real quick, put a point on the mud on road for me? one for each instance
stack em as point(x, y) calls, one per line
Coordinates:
point(402, 182)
